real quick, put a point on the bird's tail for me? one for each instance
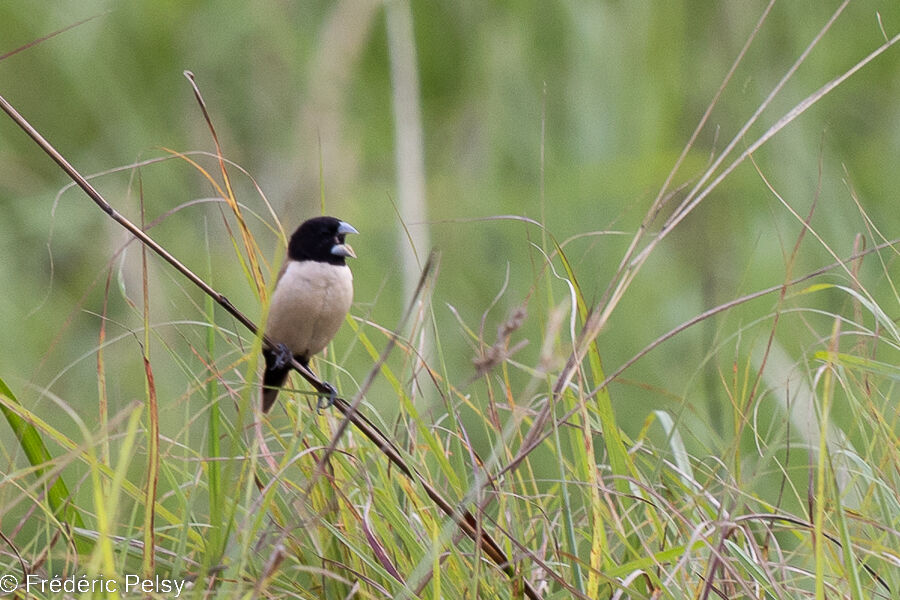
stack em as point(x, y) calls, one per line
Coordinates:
point(273, 379)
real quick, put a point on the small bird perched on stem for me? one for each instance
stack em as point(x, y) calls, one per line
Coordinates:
point(311, 299)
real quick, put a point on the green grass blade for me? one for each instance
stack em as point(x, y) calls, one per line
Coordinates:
point(58, 496)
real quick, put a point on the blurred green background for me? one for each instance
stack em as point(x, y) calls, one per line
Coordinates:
point(571, 112)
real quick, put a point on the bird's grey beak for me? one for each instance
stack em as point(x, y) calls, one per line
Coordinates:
point(345, 228)
point(343, 250)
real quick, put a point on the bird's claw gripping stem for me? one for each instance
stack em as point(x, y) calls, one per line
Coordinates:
point(283, 356)
point(327, 401)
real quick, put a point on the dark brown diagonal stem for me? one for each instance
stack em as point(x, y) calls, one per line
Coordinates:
point(461, 516)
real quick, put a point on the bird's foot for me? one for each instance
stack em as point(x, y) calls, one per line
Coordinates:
point(283, 357)
point(327, 401)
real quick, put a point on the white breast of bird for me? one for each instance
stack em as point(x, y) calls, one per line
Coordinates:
point(309, 305)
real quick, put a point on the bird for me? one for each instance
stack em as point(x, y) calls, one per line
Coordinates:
point(312, 297)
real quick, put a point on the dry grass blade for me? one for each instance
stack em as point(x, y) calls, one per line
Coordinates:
point(249, 244)
point(43, 39)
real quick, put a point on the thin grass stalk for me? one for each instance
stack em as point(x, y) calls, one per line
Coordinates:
point(821, 474)
point(149, 529)
point(217, 519)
